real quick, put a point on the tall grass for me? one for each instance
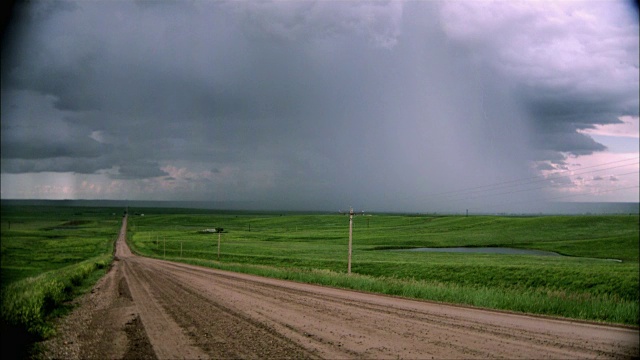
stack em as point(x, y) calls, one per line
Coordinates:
point(49, 255)
point(27, 303)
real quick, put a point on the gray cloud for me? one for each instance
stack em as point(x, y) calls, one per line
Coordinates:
point(38, 137)
point(379, 103)
point(23, 145)
point(138, 170)
point(56, 164)
point(567, 140)
point(574, 64)
point(545, 166)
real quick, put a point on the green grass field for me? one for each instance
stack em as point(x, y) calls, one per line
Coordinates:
point(40, 239)
point(50, 254)
point(583, 284)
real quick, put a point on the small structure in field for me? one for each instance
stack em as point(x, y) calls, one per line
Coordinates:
point(214, 230)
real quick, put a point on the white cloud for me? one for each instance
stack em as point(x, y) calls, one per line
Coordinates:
point(628, 128)
point(551, 43)
point(603, 176)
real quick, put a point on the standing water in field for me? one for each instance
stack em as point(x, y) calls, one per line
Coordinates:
point(486, 250)
point(491, 250)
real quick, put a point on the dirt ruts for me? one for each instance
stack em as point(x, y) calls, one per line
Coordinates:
point(153, 309)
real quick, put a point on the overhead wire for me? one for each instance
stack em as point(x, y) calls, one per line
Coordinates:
point(527, 181)
point(539, 178)
point(550, 180)
point(566, 196)
point(528, 189)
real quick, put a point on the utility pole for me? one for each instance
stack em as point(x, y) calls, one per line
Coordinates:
point(351, 214)
point(350, 239)
point(219, 235)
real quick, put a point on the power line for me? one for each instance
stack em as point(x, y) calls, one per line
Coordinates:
point(527, 189)
point(542, 180)
point(529, 180)
point(595, 193)
point(536, 188)
point(565, 196)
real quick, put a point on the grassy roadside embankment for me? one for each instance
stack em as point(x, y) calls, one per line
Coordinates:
point(584, 284)
point(49, 255)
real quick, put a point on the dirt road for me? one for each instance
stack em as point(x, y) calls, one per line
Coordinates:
point(147, 308)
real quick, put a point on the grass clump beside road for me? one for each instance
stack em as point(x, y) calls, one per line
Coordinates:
point(49, 255)
point(583, 284)
point(27, 303)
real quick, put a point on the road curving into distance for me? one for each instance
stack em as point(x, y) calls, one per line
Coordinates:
point(149, 308)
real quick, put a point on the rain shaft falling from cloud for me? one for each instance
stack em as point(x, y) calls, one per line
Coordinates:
point(307, 105)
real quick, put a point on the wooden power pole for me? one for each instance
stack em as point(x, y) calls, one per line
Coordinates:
point(219, 235)
point(350, 239)
point(351, 214)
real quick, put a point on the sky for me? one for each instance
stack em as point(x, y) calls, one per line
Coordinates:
point(322, 105)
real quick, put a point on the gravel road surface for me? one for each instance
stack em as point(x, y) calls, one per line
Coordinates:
point(153, 309)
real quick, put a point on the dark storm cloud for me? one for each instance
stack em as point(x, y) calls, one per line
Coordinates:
point(36, 137)
point(27, 62)
point(18, 147)
point(558, 115)
point(77, 165)
point(21, 142)
point(303, 102)
point(556, 136)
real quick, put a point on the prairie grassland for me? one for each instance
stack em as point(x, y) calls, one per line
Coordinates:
point(49, 255)
point(583, 284)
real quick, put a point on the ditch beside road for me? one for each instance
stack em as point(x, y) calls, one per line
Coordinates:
point(147, 308)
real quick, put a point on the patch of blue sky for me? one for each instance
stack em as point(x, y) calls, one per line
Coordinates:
point(618, 144)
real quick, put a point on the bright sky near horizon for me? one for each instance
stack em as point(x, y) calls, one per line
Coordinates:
point(321, 105)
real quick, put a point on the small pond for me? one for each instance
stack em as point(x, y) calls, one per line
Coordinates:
point(485, 250)
point(493, 250)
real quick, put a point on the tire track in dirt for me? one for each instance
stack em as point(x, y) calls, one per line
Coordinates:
point(220, 331)
point(105, 323)
point(446, 330)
